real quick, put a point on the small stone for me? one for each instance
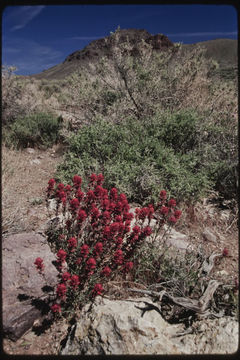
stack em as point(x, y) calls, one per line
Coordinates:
point(30, 150)
point(209, 236)
point(35, 162)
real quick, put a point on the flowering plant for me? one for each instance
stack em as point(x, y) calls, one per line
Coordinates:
point(98, 236)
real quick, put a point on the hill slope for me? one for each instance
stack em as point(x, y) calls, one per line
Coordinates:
point(224, 51)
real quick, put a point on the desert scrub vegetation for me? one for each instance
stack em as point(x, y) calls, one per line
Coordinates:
point(37, 129)
point(123, 85)
point(171, 150)
point(187, 154)
point(179, 151)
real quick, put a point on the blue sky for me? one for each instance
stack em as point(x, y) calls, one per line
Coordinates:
point(35, 38)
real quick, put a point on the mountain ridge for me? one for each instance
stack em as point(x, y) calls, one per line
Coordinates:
point(224, 51)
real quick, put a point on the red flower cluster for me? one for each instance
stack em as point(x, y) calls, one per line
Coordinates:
point(56, 308)
point(97, 290)
point(100, 234)
point(39, 264)
point(61, 254)
point(106, 271)
point(72, 243)
point(61, 290)
point(75, 281)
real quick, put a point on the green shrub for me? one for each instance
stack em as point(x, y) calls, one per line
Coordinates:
point(139, 157)
point(33, 130)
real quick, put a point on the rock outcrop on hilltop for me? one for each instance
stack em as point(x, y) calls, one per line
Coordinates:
point(103, 46)
point(91, 53)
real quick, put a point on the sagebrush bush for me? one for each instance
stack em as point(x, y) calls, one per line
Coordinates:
point(139, 157)
point(33, 130)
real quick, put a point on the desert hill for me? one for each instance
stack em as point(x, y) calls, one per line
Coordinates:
point(224, 51)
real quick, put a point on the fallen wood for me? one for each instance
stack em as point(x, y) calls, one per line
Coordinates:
point(209, 263)
point(199, 306)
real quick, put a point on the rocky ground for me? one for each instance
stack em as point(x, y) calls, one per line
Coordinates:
point(25, 176)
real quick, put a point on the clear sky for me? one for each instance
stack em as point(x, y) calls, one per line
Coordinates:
point(35, 38)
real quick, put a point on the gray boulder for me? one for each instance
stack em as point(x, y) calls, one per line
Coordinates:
point(136, 327)
point(24, 291)
point(120, 327)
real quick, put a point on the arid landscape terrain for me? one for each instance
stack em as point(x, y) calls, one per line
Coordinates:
point(149, 115)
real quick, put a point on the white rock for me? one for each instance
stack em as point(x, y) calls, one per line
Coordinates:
point(35, 162)
point(209, 236)
point(30, 150)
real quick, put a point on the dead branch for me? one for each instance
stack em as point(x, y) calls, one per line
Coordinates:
point(209, 263)
point(199, 306)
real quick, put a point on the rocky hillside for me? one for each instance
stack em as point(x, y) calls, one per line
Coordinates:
point(224, 51)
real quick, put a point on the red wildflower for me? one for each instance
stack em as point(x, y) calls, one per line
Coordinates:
point(75, 281)
point(61, 194)
point(93, 178)
point(136, 229)
point(81, 215)
point(113, 194)
point(112, 205)
point(172, 203)
point(90, 196)
point(163, 194)
point(164, 210)
point(95, 212)
point(225, 252)
point(119, 207)
point(106, 232)
point(118, 218)
point(106, 216)
point(172, 219)
point(61, 290)
point(77, 180)
point(74, 203)
point(97, 290)
point(122, 197)
point(72, 243)
point(177, 214)
point(128, 266)
point(114, 227)
point(66, 276)
point(79, 194)
point(91, 263)
point(106, 271)
point(60, 186)
point(128, 216)
point(150, 211)
point(100, 179)
point(146, 231)
point(56, 308)
point(105, 204)
point(121, 227)
point(98, 191)
point(119, 241)
point(118, 258)
point(39, 264)
point(143, 213)
point(51, 183)
point(61, 254)
point(98, 248)
point(68, 188)
point(84, 250)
